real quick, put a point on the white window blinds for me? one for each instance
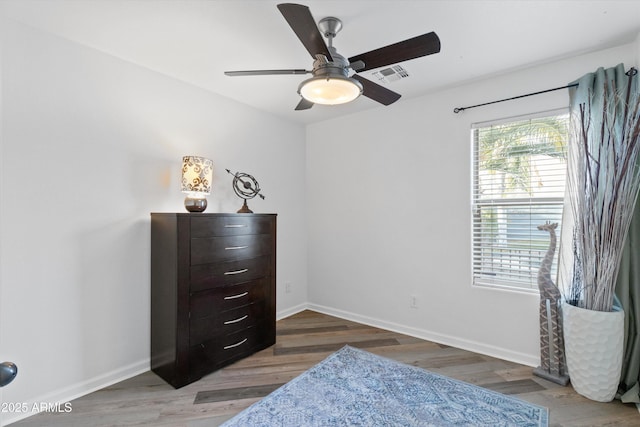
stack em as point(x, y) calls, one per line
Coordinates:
point(519, 170)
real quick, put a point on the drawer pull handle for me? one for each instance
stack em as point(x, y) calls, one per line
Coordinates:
point(232, 248)
point(234, 225)
point(237, 296)
point(244, 270)
point(239, 319)
point(227, 347)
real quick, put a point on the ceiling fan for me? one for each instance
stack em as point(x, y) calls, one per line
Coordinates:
point(331, 83)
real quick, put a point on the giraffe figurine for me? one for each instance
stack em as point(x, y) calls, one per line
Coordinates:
point(552, 362)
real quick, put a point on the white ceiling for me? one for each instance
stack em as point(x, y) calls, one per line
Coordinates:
point(197, 40)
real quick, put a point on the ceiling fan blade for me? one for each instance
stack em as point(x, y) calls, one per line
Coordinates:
point(302, 23)
point(376, 92)
point(264, 72)
point(304, 104)
point(416, 47)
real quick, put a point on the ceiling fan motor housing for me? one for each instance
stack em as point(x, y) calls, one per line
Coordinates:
point(338, 67)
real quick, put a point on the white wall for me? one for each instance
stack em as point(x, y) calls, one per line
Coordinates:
point(90, 146)
point(389, 213)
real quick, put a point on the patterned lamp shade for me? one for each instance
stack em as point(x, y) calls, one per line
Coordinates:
point(197, 174)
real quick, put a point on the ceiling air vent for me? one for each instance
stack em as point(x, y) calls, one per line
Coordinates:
point(391, 74)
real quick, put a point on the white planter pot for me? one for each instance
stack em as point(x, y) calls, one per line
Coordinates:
point(593, 343)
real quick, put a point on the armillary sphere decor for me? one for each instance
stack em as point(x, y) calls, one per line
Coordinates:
point(246, 187)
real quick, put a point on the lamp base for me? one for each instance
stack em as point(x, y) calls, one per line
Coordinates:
point(245, 208)
point(195, 204)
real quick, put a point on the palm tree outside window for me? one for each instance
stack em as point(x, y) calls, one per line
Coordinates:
point(519, 168)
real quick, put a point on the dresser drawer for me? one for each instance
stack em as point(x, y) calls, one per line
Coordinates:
point(206, 250)
point(207, 276)
point(230, 225)
point(222, 324)
point(212, 353)
point(208, 303)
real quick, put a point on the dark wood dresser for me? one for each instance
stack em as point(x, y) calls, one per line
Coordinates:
point(212, 291)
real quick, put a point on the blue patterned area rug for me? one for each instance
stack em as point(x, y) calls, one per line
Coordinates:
point(353, 387)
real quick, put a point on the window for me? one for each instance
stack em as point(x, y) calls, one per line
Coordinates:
point(519, 169)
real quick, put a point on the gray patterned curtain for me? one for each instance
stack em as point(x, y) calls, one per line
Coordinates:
point(628, 292)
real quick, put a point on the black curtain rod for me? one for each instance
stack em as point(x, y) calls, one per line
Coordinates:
point(458, 109)
point(632, 72)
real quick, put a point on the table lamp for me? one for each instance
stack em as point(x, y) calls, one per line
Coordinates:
point(197, 174)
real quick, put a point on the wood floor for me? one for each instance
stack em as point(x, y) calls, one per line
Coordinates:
point(303, 340)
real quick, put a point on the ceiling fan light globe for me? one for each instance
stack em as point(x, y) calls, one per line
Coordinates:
point(330, 90)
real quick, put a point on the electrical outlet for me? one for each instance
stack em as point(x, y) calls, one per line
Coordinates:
point(287, 287)
point(413, 301)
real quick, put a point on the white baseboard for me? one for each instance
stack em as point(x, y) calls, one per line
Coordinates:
point(474, 346)
point(83, 388)
point(291, 311)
